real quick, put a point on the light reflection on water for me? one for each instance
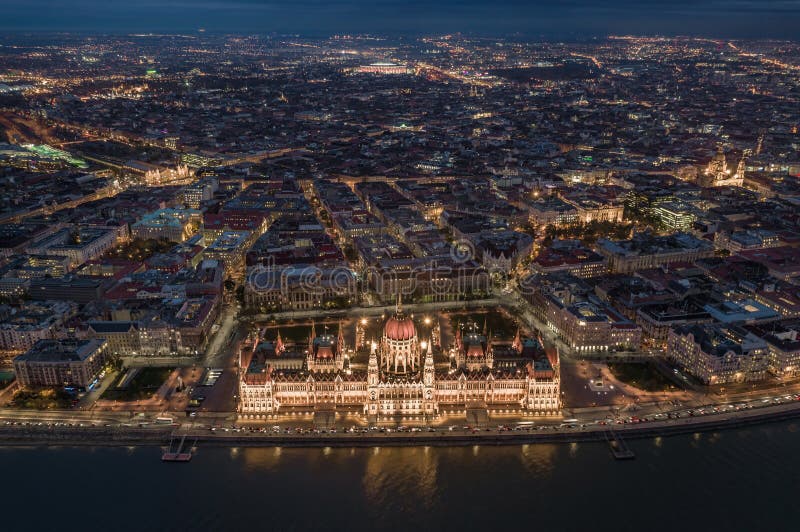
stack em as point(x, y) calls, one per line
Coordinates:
point(400, 473)
point(538, 459)
point(422, 488)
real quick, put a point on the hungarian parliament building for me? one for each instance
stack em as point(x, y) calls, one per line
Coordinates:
point(398, 374)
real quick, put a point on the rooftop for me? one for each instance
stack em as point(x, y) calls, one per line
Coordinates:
point(62, 350)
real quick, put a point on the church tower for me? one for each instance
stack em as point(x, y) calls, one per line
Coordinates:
point(279, 347)
point(517, 344)
point(371, 407)
point(311, 336)
point(429, 382)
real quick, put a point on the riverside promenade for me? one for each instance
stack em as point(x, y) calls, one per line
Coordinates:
point(42, 433)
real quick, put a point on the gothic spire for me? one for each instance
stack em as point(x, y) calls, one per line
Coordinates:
point(517, 341)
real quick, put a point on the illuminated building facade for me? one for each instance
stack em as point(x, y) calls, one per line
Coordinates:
point(175, 225)
point(400, 375)
point(717, 354)
point(61, 362)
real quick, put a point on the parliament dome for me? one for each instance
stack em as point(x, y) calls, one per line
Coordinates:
point(399, 328)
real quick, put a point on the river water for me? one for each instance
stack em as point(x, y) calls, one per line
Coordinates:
point(746, 479)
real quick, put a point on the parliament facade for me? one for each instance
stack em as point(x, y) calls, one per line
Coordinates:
point(397, 374)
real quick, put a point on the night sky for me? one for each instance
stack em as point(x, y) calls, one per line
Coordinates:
point(722, 18)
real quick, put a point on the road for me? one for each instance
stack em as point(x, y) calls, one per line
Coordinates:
point(62, 416)
point(220, 347)
point(408, 308)
point(93, 427)
point(88, 400)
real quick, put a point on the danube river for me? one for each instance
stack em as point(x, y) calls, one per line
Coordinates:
point(744, 479)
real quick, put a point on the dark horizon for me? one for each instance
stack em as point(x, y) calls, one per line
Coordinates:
point(766, 19)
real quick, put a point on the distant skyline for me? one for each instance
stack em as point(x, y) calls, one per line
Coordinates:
point(719, 18)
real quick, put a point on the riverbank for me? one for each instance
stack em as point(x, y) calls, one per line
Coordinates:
point(133, 436)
